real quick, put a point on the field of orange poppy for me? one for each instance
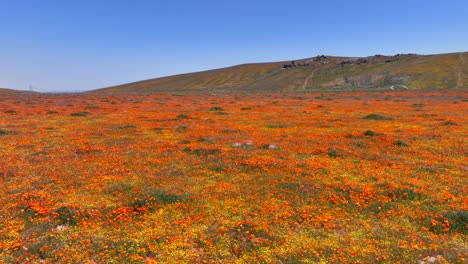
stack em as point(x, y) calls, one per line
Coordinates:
point(345, 177)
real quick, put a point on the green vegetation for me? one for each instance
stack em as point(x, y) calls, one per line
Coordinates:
point(80, 114)
point(374, 117)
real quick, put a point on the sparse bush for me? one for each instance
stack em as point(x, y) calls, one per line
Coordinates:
point(278, 125)
point(216, 108)
point(451, 221)
point(167, 198)
point(229, 131)
point(80, 114)
point(458, 221)
point(269, 146)
point(181, 128)
point(374, 117)
point(65, 216)
point(150, 197)
point(127, 126)
point(401, 143)
point(7, 132)
point(121, 188)
point(202, 151)
point(380, 207)
point(182, 116)
point(369, 133)
point(403, 194)
point(449, 123)
point(332, 153)
point(137, 204)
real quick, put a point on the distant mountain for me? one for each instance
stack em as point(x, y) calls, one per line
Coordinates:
point(321, 73)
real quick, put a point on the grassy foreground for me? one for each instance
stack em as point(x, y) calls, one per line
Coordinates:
point(282, 178)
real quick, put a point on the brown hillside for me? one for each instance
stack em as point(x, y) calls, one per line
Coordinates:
point(321, 73)
point(4, 90)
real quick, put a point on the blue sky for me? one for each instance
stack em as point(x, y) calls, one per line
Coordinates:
point(57, 45)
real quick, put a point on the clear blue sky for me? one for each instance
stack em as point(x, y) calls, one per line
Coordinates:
point(65, 45)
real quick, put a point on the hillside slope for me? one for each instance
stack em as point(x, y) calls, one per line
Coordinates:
point(5, 90)
point(405, 71)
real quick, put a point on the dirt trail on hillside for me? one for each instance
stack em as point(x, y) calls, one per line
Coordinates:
point(460, 71)
point(306, 81)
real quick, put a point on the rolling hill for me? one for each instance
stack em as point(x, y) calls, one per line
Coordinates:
point(13, 91)
point(321, 73)
point(5, 90)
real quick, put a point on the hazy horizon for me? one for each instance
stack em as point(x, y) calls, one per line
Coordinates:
point(57, 46)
